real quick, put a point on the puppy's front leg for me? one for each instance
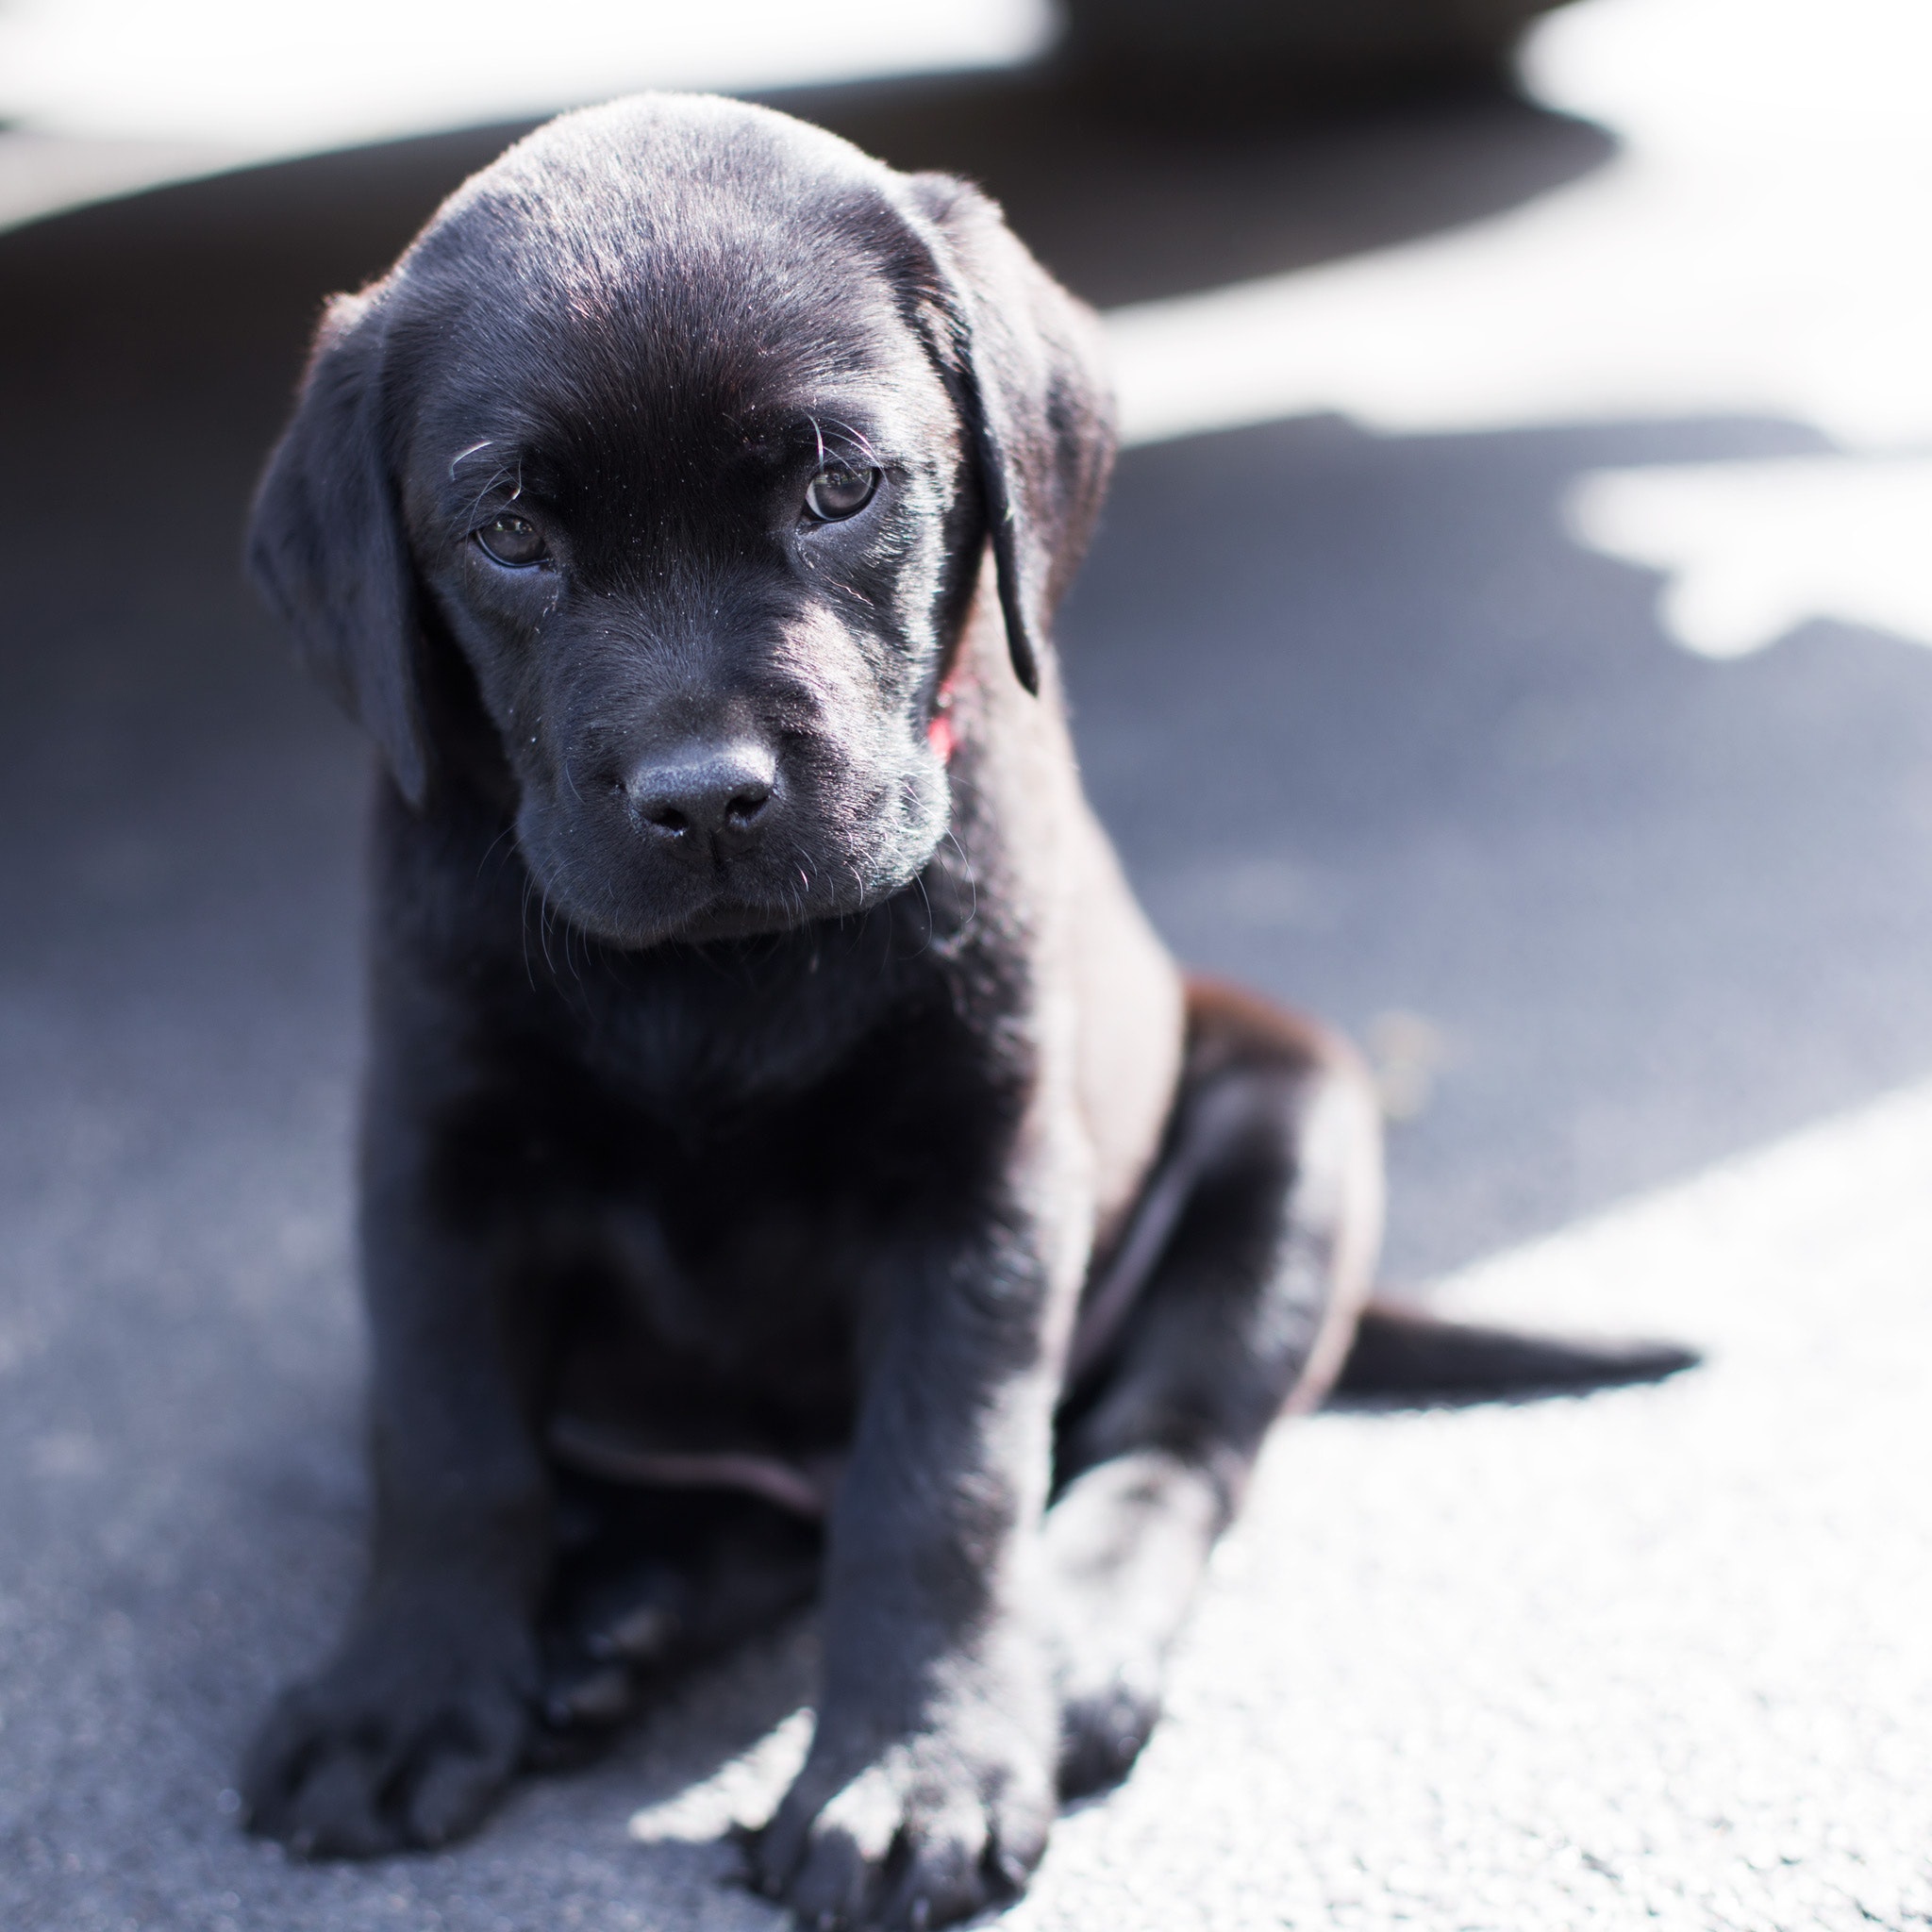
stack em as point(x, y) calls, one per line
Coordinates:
point(411, 1732)
point(929, 1788)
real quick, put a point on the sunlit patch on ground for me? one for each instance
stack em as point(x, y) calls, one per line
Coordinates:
point(1754, 550)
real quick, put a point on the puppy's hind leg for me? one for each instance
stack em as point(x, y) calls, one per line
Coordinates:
point(1232, 1296)
point(650, 1583)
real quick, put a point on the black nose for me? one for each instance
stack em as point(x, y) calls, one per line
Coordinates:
point(698, 794)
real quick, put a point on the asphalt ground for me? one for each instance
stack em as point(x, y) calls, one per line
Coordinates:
point(1373, 732)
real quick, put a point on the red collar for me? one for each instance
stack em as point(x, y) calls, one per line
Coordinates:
point(939, 731)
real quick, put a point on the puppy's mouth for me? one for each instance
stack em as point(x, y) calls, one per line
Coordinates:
point(633, 921)
point(737, 920)
point(633, 907)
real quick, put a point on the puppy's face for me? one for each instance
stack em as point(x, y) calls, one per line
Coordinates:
point(694, 509)
point(686, 425)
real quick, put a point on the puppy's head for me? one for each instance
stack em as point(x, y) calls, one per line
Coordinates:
point(687, 425)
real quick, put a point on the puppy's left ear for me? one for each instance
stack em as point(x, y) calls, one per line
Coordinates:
point(1031, 362)
point(325, 544)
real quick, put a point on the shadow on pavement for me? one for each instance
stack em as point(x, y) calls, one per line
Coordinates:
point(1126, 211)
point(1375, 733)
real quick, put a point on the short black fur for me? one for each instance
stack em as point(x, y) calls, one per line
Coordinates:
point(787, 1158)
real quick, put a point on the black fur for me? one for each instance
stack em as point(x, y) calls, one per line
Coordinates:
point(787, 1157)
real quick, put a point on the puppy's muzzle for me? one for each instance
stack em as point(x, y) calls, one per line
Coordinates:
point(704, 801)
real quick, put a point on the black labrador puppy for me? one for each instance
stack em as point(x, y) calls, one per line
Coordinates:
point(789, 1160)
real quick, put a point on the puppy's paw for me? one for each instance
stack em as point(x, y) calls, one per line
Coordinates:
point(929, 1831)
point(1106, 1716)
point(1125, 1546)
point(404, 1743)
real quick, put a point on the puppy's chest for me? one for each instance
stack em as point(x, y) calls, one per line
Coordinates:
point(718, 1308)
point(720, 1270)
point(724, 1160)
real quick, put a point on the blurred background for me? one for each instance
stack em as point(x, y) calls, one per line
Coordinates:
point(1508, 636)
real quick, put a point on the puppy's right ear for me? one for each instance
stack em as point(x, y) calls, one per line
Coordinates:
point(1039, 406)
point(325, 544)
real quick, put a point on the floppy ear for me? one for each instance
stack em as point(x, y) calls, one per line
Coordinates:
point(325, 544)
point(1038, 404)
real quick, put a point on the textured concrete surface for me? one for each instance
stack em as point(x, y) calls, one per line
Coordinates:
point(1373, 731)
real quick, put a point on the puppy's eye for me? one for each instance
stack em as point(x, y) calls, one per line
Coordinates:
point(838, 492)
point(511, 541)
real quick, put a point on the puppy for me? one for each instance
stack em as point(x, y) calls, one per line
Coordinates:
point(789, 1162)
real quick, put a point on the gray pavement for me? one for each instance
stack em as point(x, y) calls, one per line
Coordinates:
point(1373, 732)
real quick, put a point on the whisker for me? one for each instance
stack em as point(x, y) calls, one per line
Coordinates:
point(919, 880)
point(523, 928)
point(972, 884)
point(508, 831)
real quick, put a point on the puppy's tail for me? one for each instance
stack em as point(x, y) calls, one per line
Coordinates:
point(1405, 1355)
